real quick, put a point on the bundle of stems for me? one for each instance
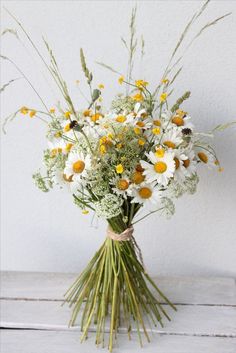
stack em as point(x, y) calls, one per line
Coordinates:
point(114, 289)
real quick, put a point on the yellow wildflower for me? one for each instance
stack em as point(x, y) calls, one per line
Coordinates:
point(163, 97)
point(87, 112)
point(24, 110)
point(68, 147)
point(67, 114)
point(119, 145)
point(119, 169)
point(52, 110)
point(138, 97)
point(85, 211)
point(32, 113)
point(121, 118)
point(67, 128)
point(141, 142)
point(121, 80)
point(156, 131)
point(141, 83)
point(101, 86)
point(165, 81)
point(96, 117)
point(58, 134)
point(103, 149)
point(137, 130)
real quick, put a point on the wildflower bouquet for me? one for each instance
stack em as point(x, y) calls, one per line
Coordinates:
point(138, 156)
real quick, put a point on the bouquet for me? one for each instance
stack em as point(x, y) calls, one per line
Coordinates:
point(124, 163)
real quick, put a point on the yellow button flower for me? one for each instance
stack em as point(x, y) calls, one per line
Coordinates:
point(52, 110)
point(24, 110)
point(101, 86)
point(156, 131)
point(121, 80)
point(32, 113)
point(163, 97)
point(85, 211)
point(67, 114)
point(165, 81)
point(141, 83)
point(119, 169)
point(138, 97)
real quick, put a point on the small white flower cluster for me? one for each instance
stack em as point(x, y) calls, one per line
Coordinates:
point(109, 206)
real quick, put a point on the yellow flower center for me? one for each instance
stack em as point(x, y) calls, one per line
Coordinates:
point(138, 97)
point(137, 130)
point(160, 167)
point(156, 131)
point(141, 142)
point(157, 122)
point(87, 112)
point(78, 166)
point(177, 163)
point(145, 193)
point(66, 178)
point(96, 117)
point(186, 163)
point(121, 119)
point(122, 184)
point(137, 178)
point(203, 157)
point(160, 152)
point(139, 168)
point(140, 124)
point(177, 120)
point(169, 144)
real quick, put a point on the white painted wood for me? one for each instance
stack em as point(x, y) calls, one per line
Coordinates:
point(194, 290)
point(31, 304)
point(33, 341)
point(189, 319)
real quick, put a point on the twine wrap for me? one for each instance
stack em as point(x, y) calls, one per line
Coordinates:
point(127, 235)
point(124, 236)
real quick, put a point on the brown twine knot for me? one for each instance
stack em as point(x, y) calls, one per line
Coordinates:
point(124, 236)
point(127, 235)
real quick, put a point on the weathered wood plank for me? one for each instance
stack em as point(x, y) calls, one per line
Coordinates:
point(33, 341)
point(52, 286)
point(191, 320)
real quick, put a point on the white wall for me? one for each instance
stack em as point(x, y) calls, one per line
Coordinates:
point(46, 232)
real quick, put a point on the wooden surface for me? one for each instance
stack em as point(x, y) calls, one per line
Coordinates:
point(33, 320)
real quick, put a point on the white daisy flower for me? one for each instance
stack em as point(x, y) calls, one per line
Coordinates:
point(180, 171)
point(146, 194)
point(182, 120)
point(77, 166)
point(59, 178)
point(207, 158)
point(161, 169)
point(121, 187)
point(190, 164)
point(172, 138)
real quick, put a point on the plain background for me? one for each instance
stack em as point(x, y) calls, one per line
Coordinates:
point(46, 232)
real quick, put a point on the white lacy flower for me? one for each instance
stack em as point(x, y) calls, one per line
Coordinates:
point(109, 206)
point(77, 166)
point(161, 169)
